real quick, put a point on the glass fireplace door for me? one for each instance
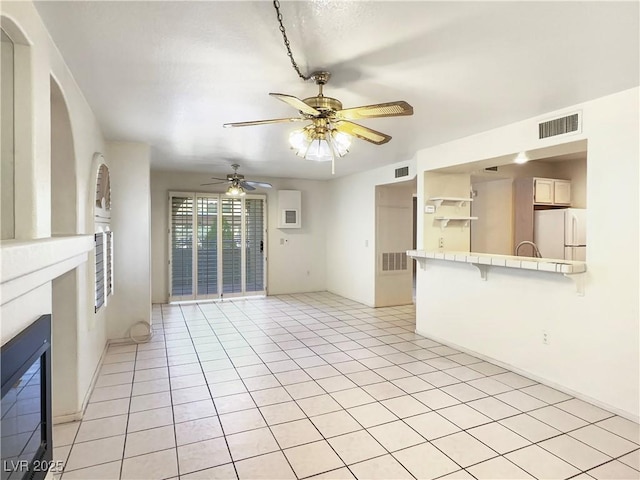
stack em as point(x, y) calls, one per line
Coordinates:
point(26, 403)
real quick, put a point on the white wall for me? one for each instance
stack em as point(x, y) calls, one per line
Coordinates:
point(493, 205)
point(455, 236)
point(594, 340)
point(131, 225)
point(63, 178)
point(296, 266)
point(64, 332)
point(351, 231)
point(576, 171)
point(7, 229)
point(37, 61)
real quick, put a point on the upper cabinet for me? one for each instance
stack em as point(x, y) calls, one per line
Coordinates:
point(550, 191)
point(562, 192)
point(532, 194)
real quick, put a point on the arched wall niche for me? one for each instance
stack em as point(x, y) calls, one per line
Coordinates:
point(63, 167)
point(18, 177)
point(14, 31)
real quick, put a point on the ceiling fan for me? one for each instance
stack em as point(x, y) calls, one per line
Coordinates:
point(238, 186)
point(330, 131)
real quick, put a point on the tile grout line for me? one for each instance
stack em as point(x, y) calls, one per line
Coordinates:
point(173, 417)
point(249, 393)
point(271, 318)
point(321, 434)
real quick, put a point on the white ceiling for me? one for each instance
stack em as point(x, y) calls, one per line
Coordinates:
point(171, 73)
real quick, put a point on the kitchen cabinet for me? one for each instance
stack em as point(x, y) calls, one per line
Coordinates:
point(550, 191)
point(533, 193)
point(562, 192)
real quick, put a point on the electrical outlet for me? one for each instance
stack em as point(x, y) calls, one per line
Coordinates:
point(545, 337)
point(441, 242)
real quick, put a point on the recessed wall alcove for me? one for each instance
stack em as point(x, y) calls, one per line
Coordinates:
point(65, 293)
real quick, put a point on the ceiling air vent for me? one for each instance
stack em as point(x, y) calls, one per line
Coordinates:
point(559, 126)
point(402, 172)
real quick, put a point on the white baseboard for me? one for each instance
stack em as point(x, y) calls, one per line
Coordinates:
point(77, 416)
point(547, 382)
point(120, 341)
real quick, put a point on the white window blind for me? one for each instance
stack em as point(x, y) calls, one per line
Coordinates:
point(217, 246)
point(99, 253)
point(181, 246)
point(231, 245)
point(207, 245)
point(254, 231)
point(109, 263)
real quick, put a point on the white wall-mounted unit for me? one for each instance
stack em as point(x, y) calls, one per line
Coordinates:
point(289, 208)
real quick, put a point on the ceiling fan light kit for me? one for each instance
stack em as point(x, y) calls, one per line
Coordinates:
point(238, 186)
point(235, 190)
point(320, 143)
point(329, 134)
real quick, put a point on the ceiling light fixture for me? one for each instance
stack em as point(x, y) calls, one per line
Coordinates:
point(521, 158)
point(331, 130)
point(235, 190)
point(320, 142)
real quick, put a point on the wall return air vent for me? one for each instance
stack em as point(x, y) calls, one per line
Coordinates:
point(402, 172)
point(560, 126)
point(394, 261)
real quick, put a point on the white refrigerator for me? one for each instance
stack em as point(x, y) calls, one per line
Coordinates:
point(561, 233)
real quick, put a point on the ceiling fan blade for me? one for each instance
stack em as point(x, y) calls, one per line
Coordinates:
point(361, 132)
point(246, 186)
point(391, 109)
point(259, 184)
point(296, 103)
point(264, 122)
point(214, 183)
point(221, 179)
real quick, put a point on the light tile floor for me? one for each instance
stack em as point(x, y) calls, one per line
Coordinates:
point(306, 385)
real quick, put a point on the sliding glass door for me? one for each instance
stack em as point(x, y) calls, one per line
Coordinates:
point(217, 246)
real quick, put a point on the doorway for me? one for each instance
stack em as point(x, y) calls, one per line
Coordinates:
point(394, 236)
point(217, 246)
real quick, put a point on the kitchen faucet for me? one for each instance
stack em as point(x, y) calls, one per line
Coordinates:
point(536, 252)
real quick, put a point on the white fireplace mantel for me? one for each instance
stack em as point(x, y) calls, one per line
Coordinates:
point(28, 264)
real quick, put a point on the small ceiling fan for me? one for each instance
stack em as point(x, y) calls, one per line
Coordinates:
point(237, 184)
point(330, 131)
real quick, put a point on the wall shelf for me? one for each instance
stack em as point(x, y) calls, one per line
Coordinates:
point(461, 201)
point(445, 220)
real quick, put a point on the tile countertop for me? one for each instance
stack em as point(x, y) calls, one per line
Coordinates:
point(526, 263)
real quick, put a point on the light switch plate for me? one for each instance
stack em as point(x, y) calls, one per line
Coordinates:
point(429, 209)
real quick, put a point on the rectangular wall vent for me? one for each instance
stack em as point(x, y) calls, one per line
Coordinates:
point(402, 172)
point(394, 261)
point(559, 126)
point(290, 208)
point(290, 217)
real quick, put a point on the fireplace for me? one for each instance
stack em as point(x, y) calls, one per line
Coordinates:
point(26, 403)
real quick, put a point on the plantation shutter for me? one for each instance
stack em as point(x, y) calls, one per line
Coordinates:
point(99, 253)
point(181, 246)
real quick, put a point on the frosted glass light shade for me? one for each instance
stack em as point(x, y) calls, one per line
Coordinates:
point(235, 190)
point(341, 142)
point(319, 151)
point(308, 144)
